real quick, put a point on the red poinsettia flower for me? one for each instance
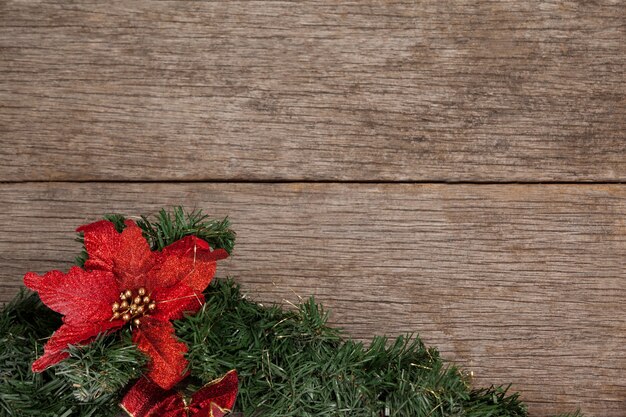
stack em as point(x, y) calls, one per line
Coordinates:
point(123, 283)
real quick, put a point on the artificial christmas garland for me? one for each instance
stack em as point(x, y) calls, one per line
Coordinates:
point(137, 325)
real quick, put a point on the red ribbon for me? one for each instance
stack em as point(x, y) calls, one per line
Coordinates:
point(215, 399)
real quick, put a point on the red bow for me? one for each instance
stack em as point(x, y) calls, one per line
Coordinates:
point(215, 399)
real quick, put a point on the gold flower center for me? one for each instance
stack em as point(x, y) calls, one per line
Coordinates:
point(132, 306)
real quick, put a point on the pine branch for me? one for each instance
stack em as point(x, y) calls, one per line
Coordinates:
point(25, 323)
point(167, 228)
point(103, 368)
point(291, 363)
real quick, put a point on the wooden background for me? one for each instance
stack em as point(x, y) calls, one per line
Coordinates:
point(456, 168)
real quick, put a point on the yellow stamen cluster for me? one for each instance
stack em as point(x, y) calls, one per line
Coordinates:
point(133, 306)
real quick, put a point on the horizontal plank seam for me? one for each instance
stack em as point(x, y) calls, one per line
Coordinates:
point(321, 181)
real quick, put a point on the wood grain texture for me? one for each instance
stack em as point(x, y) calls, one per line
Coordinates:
point(521, 283)
point(265, 90)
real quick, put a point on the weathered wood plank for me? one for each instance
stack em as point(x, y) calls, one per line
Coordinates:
point(521, 283)
point(367, 90)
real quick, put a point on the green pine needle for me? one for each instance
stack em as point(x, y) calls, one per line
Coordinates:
point(166, 228)
point(103, 368)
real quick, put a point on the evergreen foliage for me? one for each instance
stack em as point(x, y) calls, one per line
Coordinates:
point(290, 362)
point(24, 325)
point(166, 228)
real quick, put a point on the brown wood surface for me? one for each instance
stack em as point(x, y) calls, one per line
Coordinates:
point(363, 90)
point(521, 283)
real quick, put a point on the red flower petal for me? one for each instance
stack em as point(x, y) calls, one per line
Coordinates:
point(126, 254)
point(157, 340)
point(101, 243)
point(68, 334)
point(135, 258)
point(215, 399)
point(146, 399)
point(214, 411)
point(189, 261)
point(219, 394)
point(80, 295)
point(172, 303)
